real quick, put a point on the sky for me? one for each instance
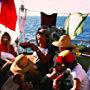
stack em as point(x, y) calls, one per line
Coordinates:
point(55, 6)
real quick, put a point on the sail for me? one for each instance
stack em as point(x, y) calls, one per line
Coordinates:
point(74, 24)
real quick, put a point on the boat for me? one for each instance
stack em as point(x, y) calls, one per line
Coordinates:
point(83, 53)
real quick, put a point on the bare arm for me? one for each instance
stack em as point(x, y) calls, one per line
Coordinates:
point(44, 58)
point(76, 85)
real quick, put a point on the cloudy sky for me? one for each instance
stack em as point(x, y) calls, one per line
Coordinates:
point(60, 6)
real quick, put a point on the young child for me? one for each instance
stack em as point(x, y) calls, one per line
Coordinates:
point(66, 59)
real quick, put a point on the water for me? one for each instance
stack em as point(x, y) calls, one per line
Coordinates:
point(33, 22)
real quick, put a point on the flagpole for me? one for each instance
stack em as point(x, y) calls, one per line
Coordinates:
point(22, 20)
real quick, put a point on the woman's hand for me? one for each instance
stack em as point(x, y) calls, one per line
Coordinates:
point(25, 44)
point(30, 45)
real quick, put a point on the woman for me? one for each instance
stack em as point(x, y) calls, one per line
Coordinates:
point(80, 79)
point(6, 47)
point(43, 56)
point(7, 55)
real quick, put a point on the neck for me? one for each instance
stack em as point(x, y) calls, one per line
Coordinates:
point(42, 45)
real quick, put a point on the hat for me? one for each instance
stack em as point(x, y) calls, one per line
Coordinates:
point(20, 65)
point(66, 57)
point(64, 41)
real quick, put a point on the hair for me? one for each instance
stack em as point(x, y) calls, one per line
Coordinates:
point(71, 65)
point(69, 48)
point(47, 36)
point(63, 31)
point(42, 27)
point(6, 34)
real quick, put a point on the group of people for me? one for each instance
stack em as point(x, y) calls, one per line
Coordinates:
point(52, 66)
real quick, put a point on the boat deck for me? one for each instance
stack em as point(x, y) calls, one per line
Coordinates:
point(84, 61)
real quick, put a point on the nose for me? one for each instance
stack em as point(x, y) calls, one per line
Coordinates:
point(38, 36)
point(5, 39)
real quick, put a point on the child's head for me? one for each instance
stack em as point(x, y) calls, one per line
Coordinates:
point(65, 59)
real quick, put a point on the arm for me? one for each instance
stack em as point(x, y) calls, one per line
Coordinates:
point(44, 58)
point(12, 51)
point(7, 56)
point(55, 82)
point(52, 75)
point(76, 85)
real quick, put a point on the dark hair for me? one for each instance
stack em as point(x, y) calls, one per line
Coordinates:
point(70, 48)
point(46, 34)
point(6, 34)
point(62, 31)
point(42, 27)
point(71, 65)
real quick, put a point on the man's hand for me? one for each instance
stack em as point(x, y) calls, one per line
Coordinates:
point(25, 44)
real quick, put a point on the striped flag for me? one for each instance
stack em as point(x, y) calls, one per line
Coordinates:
point(74, 24)
point(22, 22)
point(8, 18)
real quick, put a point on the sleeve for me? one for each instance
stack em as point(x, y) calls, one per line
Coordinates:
point(0, 49)
point(12, 51)
point(6, 55)
point(77, 72)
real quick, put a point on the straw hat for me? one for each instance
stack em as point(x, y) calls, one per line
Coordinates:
point(20, 65)
point(64, 41)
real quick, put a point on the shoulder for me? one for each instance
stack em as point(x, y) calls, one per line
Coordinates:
point(79, 72)
point(52, 48)
point(1, 45)
point(11, 46)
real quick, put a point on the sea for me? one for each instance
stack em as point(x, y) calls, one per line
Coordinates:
point(34, 22)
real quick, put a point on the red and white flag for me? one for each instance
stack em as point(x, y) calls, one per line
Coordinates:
point(8, 15)
point(8, 18)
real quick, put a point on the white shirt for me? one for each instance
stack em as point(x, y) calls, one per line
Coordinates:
point(43, 50)
point(79, 73)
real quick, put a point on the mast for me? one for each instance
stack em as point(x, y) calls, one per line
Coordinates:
point(22, 22)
